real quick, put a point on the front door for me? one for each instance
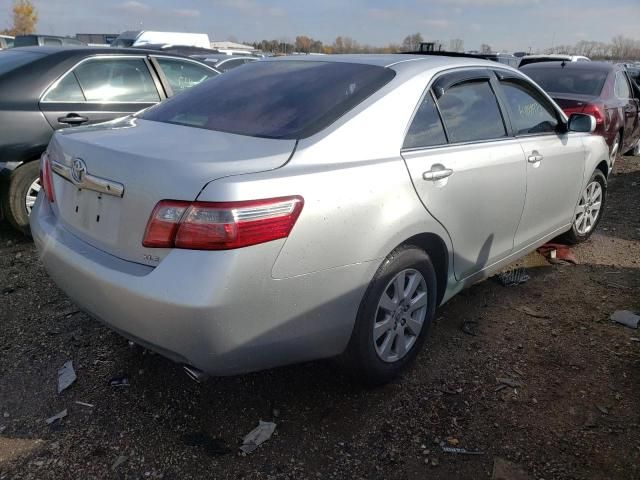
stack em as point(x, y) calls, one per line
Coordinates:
point(554, 160)
point(98, 90)
point(468, 172)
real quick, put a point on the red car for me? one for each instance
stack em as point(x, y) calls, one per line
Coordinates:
point(603, 90)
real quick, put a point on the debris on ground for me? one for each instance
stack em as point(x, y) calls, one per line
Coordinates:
point(119, 382)
point(470, 327)
point(213, 446)
point(257, 436)
point(509, 382)
point(513, 277)
point(66, 376)
point(119, 461)
point(56, 417)
point(626, 318)
point(603, 409)
point(84, 404)
point(3, 428)
point(531, 312)
point(505, 470)
point(460, 451)
point(558, 253)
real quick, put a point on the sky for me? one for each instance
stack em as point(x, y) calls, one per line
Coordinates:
point(506, 25)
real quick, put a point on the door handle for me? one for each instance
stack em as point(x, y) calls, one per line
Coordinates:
point(73, 119)
point(437, 174)
point(535, 157)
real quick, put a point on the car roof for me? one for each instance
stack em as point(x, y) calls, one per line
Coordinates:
point(599, 66)
point(396, 60)
point(83, 50)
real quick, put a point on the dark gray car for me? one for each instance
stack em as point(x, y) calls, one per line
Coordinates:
point(43, 89)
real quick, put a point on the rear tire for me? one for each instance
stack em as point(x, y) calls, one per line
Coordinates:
point(586, 219)
point(23, 182)
point(392, 323)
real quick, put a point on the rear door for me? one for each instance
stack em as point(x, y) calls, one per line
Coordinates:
point(554, 160)
point(625, 95)
point(468, 171)
point(99, 89)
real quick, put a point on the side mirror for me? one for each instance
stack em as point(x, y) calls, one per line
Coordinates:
point(582, 123)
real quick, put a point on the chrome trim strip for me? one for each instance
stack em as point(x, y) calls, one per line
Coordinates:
point(88, 181)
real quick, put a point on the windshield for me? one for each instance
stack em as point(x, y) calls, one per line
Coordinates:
point(566, 80)
point(12, 59)
point(279, 99)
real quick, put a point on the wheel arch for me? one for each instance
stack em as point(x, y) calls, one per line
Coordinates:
point(437, 250)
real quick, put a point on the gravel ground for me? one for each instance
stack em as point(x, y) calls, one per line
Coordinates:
point(571, 410)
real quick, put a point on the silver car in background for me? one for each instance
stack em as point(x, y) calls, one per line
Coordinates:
point(304, 208)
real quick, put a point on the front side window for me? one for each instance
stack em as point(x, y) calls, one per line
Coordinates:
point(528, 113)
point(123, 80)
point(288, 99)
point(182, 75)
point(426, 130)
point(621, 87)
point(470, 112)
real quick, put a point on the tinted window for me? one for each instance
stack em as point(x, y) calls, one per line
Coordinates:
point(274, 99)
point(470, 112)
point(67, 90)
point(10, 60)
point(622, 89)
point(182, 74)
point(116, 80)
point(530, 115)
point(9, 42)
point(426, 129)
point(229, 64)
point(580, 81)
point(51, 41)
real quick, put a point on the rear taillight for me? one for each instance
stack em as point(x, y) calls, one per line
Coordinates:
point(596, 110)
point(221, 225)
point(45, 177)
point(590, 109)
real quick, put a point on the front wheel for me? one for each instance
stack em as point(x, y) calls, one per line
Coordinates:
point(393, 318)
point(589, 210)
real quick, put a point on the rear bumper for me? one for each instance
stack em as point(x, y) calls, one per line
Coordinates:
point(221, 312)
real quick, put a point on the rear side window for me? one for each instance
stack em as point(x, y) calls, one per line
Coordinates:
point(426, 130)
point(530, 115)
point(568, 80)
point(470, 112)
point(12, 59)
point(274, 99)
point(182, 74)
point(622, 89)
point(123, 80)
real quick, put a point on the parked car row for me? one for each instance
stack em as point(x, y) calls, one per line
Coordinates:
point(44, 89)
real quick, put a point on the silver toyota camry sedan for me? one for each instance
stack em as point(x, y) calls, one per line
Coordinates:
point(305, 208)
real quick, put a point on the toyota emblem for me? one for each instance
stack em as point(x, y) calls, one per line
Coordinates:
point(78, 169)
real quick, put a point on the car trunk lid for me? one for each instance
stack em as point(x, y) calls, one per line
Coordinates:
point(152, 161)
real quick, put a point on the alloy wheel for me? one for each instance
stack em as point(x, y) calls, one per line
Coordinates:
point(32, 194)
point(400, 315)
point(589, 208)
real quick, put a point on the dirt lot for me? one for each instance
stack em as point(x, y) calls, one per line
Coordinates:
point(572, 411)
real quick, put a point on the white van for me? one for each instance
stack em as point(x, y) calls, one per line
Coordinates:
point(145, 37)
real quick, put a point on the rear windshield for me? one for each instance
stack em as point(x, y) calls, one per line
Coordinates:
point(274, 99)
point(12, 59)
point(566, 80)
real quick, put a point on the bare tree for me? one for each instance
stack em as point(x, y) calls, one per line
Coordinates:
point(412, 42)
point(456, 45)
